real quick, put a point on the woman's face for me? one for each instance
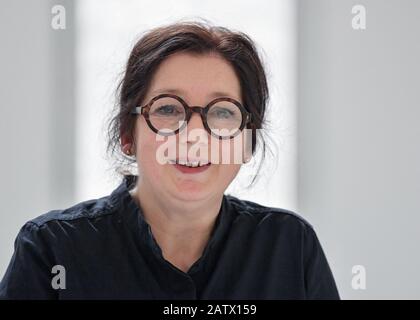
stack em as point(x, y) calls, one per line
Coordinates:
point(196, 79)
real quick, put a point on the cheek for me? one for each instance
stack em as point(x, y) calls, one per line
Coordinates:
point(232, 151)
point(230, 162)
point(147, 146)
point(228, 172)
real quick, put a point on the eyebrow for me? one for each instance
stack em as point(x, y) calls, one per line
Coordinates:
point(214, 94)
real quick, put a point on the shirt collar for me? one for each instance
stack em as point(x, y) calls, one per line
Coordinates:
point(121, 200)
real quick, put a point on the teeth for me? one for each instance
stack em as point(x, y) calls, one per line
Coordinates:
point(184, 163)
point(192, 164)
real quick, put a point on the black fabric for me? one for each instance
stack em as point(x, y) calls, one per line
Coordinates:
point(109, 252)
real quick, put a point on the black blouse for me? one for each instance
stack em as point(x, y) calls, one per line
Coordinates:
point(107, 251)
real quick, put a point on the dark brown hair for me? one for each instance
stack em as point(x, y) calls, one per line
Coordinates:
point(196, 38)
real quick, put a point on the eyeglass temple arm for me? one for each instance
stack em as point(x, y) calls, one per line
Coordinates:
point(249, 117)
point(137, 110)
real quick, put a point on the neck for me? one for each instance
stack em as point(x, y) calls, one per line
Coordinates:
point(181, 228)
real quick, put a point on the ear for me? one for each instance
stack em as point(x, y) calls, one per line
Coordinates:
point(126, 144)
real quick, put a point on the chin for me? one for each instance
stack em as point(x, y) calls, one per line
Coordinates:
point(190, 191)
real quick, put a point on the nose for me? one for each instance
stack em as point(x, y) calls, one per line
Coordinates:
point(196, 130)
point(195, 121)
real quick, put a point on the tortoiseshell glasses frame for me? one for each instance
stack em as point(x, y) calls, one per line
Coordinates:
point(189, 110)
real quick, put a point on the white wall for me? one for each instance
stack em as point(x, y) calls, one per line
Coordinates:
point(37, 116)
point(358, 145)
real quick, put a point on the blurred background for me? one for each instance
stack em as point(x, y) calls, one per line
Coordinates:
point(343, 116)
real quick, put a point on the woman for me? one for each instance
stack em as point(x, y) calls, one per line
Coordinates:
point(171, 232)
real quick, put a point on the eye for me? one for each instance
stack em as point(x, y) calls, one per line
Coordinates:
point(222, 113)
point(167, 110)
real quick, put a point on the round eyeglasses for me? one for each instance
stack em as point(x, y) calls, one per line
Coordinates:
point(167, 114)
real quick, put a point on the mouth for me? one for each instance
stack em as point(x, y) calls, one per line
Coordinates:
point(192, 166)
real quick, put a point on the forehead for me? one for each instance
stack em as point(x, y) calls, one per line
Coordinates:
point(188, 75)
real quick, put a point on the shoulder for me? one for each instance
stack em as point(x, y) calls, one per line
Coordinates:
point(284, 230)
point(89, 209)
point(259, 214)
point(57, 237)
point(79, 222)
